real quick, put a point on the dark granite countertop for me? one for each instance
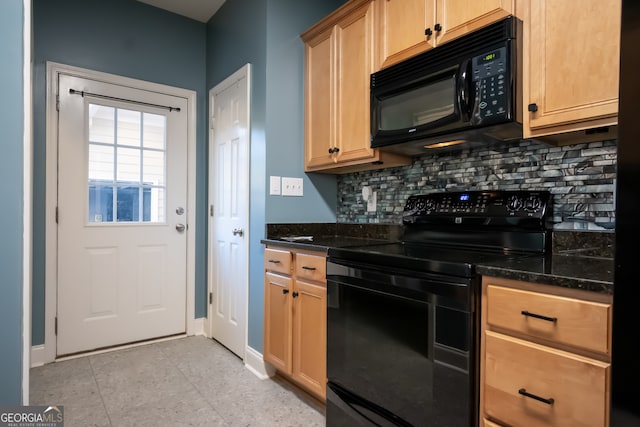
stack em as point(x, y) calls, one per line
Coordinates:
point(322, 243)
point(570, 271)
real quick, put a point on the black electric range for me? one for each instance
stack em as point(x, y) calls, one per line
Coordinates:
point(402, 317)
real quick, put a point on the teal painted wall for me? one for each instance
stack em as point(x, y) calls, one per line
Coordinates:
point(287, 19)
point(266, 34)
point(131, 39)
point(11, 214)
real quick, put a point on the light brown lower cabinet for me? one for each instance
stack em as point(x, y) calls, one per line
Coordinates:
point(295, 327)
point(541, 366)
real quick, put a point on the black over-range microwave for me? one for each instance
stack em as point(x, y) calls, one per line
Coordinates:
point(466, 92)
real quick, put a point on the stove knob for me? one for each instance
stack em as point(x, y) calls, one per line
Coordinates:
point(421, 204)
point(429, 205)
point(410, 205)
point(532, 204)
point(514, 203)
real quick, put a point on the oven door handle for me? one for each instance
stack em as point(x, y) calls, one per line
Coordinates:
point(349, 402)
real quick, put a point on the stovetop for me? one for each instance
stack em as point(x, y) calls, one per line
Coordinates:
point(454, 261)
point(449, 233)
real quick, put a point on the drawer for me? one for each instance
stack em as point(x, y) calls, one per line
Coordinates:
point(311, 267)
point(277, 260)
point(579, 386)
point(569, 321)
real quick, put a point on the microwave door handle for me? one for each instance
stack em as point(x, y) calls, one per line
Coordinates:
point(465, 102)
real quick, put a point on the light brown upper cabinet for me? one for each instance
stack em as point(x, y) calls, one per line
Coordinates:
point(571, 65)
point(339, 58)
point(409, 27)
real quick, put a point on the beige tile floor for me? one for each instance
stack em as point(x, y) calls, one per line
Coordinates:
point(190, 381)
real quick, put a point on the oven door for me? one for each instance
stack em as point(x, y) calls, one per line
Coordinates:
point(400, 348)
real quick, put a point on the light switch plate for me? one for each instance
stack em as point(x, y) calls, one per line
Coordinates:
point(292, 186)
point(274, 185)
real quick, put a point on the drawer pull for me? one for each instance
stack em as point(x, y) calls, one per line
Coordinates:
point(524, 392)
point(539, 316)
point(275, 261)
point(304, 267)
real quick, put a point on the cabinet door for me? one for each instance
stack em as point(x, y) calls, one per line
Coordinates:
point(310, 337)
point(354, 64)
point(402, 26)
point(573, 69)
point(277, 321)
point(459, 17)
point(319, 123)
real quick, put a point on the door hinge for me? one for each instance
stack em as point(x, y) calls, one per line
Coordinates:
point(57, 215)
point(210, 297)
point(57, 102)
point(55, 326)
point(210, 210)
point(212, 122)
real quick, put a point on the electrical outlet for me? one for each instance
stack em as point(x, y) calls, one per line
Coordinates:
point(292, 186)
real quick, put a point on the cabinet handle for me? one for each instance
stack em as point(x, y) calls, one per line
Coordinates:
point(532, 107)
point(285, 291)
point(304, 267)
point(437, 27)
point(275, 261)
point(524, 392)
point(428, 32)
point(336, 149)
point(295, 294)
point(330, 150)
point(539, 316)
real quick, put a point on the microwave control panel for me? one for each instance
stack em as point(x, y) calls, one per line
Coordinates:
point(490, 74)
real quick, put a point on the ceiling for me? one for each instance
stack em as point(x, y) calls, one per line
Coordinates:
point(200, 10)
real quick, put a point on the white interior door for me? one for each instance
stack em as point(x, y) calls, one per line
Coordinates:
point(122, 198)
point(229, 196)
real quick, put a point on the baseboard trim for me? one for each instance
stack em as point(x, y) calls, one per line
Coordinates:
point(198, 326)
point(254, 362)
point(38, 355)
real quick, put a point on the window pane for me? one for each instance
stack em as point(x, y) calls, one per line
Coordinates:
point(128, 204)
point(154, 131)
point(153, 167)
point(154, 206)
point(129, 127)
point(101, 124)
point(100, 163)
point(100, 203)
point(129, 165)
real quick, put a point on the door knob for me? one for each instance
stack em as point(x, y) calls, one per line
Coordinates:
point(181, 227)
point(180, 210)
point(238, 232)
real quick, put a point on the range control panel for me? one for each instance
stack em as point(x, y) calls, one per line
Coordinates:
point(478, 204)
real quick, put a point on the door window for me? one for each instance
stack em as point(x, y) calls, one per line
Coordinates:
point(127, 165)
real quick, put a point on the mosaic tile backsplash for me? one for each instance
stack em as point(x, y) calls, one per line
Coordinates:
point(581, 179)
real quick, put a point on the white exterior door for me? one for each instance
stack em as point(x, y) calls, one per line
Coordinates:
point(122, 199)
point(229, 201)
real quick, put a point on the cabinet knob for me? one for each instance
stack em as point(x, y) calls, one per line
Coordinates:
point(336, 149)
point(428, 32)
point(285, 291)
point(330, 150)
point(437, 27)
point(295, 294)
point(532, 107)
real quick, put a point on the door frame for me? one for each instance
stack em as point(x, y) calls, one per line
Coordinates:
point(51, 165)
point(243, 72)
